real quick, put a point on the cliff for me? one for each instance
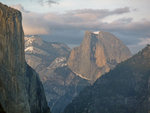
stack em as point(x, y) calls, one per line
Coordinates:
point(20, 88)
point(123, 90)
point(98, 53)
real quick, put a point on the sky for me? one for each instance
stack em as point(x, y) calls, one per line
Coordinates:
point(67, 20)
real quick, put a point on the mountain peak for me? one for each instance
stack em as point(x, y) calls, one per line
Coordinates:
point(98, 53)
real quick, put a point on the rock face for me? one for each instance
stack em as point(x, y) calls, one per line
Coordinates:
point(123, 90)
point(20, 88)
point(49, 59)
point(98, 53)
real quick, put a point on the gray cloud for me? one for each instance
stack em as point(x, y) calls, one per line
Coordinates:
point(69, 27)
point(70, 21)
point(140, 44)
point(51, 2)
point(19, 7)
point(92, 14)
point(47, 2)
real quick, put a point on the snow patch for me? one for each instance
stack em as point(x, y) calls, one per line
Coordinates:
point(35, 50)
point(81, 76)
point(29, 49)
point(29, 40)
point(58, 62)
point(33, 39)
point(96, 32)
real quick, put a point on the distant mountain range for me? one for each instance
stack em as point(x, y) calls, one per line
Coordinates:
point(126, 89)
point(65, 74)
point(40, 54)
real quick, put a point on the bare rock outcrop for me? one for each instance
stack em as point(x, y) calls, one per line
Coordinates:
point(98, 53)
point(20, 88)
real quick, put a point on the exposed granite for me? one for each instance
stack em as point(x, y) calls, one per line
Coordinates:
point(20, 91)
point(97, 54)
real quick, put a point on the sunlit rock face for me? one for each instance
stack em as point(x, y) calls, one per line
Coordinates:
point(20, 88)
point(125, 89)
point(98, 53)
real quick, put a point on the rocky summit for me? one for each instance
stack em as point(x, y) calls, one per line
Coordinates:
point(126, 89)
point(20, 88)
point(98, 53)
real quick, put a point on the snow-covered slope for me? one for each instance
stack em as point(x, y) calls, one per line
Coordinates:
point(40, 54)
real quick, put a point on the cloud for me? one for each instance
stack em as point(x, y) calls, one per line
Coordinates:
point(141, 44)
point(93, 14)
point(144, 41)
point(69, 27)
point(75, 20)
point(47, 2)
point(19, 7)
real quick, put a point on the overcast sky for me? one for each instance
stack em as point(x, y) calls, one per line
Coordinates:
point(67, 20)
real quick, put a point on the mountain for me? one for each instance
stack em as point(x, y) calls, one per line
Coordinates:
point(63, 78)
point(21, 90)
point(126, 89)
point(98, 53)
point(49, 59)
point(40, 54)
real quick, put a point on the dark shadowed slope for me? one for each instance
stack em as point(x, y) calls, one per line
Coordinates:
point(126, 89)
point(61, 87)
point(1, 109)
